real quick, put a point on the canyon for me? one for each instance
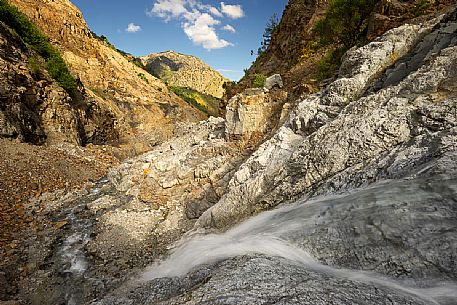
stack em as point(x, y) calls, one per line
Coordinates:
point(341, 194)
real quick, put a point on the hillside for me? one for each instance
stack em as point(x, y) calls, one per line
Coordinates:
point(305, 55)
point(186, 71)
point(138, 103)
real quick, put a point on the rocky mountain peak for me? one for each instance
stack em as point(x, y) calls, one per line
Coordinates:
point(188, 71)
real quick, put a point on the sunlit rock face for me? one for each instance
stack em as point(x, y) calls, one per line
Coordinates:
point(255, 112)
point(188, 71)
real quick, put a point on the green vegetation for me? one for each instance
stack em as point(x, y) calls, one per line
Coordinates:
point(259, 80)
point(30, 34)
point(344, 25)
point(421, 7)
point(205, 103)
point(35, 65)
point(143, 77)
point(106, 42)
point(329, 63)
point(309, 50)
point(345, 22)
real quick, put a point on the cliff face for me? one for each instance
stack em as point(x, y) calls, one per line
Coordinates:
point(138, 102)
point(185, 71)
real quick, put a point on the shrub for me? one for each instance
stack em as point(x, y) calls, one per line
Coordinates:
point(345, 22)
point(329, 64)
point(309, 50)
point(421, 7)
point(205, 103)
point(143, 77)
point(30, 34)
point(35, 65)
point(259, 80)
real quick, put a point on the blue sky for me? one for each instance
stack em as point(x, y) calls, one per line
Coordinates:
point(222, 33)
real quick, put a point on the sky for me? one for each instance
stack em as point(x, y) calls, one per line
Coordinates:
point(221, 33)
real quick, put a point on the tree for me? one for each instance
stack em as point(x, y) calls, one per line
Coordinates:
point(271, 25)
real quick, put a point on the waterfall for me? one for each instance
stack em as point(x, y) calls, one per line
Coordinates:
point(286, 231)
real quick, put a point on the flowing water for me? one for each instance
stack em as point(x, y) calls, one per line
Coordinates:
point(281, 232)
point(71, 255)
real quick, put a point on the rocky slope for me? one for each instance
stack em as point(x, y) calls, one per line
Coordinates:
point(185, 71)
point(296, 36)
point(137, 103)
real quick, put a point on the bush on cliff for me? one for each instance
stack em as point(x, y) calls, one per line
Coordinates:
point(343, 26)
point(345, 22)
point(30, 34)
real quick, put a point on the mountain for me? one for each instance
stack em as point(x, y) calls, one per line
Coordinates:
point(186, 71)
point(137, 103)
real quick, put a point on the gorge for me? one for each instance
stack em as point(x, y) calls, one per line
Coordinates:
point(345, 193)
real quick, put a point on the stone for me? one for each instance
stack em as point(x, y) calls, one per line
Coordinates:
point(253, 112)
point(117, 100)
point(274, 81)
point(340, 128)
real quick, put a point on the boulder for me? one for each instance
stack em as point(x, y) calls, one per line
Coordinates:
point(253, 112)
point(274, 81)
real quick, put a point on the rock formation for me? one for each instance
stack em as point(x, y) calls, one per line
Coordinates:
point(253, 113)
point(378, 148)
point(185, 71)
point(345, 127)
point(295, 33)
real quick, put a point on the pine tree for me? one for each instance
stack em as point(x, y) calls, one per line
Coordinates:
point(269, 29)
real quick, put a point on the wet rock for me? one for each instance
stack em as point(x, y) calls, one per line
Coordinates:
point(339, 129)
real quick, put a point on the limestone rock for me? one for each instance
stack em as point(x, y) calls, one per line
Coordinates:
point(168, 189)
point(340, 128)
point(253, 112)
point(274, 81)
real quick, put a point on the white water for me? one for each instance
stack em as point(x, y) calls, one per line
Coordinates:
point(71, 254)
point(268, 234)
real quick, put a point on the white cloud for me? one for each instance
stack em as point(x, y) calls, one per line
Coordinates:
point(200, 29)
point(232, 11)
point(168, 8)
point(215, 11)
point(198, 19)
point(228, 70)
point(133, 28)
point(229, 28)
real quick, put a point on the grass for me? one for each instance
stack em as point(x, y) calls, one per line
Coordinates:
point(421, 7)
point(205, 103)
point(31, 35)
point(143, 77)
